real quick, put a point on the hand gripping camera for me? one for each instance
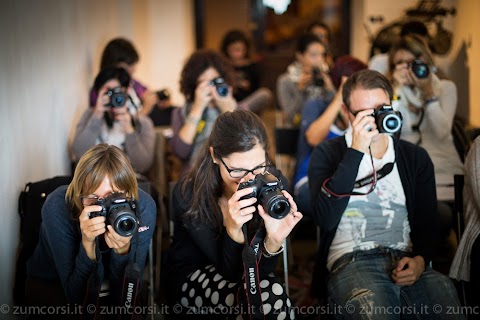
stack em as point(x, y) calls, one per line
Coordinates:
point(420, 69)
point(118, 98)
point(268, 190)
point(119, 211)
point(388, 120)
point(221, 86)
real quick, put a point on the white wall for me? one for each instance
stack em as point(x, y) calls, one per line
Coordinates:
point(49, 56)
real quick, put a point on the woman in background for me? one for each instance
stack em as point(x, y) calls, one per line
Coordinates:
point(236, 47)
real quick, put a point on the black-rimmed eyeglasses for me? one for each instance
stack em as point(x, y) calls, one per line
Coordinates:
point(240, 172)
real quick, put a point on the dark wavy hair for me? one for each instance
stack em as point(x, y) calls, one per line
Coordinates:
point(110, 73)
point(234, 36)
point(306, 40)
point(119, 50)
point(320, 24)
point(196, 64)
point(367, 80)
point(236, 131)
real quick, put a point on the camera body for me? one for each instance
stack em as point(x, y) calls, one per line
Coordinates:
point(118, 98)
point(221, 86)
point(268, 190)
point(120, 212)
point(317, 78)
point(388, 120)
point(163, 94)
point(419, 68)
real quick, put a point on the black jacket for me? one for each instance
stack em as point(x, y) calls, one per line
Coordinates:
point(333, 159)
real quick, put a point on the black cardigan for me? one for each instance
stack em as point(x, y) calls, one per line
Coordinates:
point(332, 159)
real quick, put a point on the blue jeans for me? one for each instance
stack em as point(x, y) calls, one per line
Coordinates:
point(361, 287)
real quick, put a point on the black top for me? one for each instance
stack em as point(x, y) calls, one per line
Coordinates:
point(251, 73)
point(194, 248)
point(333, 159)
point(161, 117)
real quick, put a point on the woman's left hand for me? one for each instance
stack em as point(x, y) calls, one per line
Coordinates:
point(121, 245)
point(227, 103)
point(124, 118)
point(279, 229)
point(423, 84)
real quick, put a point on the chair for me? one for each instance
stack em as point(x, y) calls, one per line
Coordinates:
point(285, 153)
point(461, 139)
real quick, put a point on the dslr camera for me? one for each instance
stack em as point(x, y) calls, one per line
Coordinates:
point(388, 120)
point(317, 77)
point(221, 86)
point(420, 69)
point(118, 98)
point(119, 211)
point(268, 190)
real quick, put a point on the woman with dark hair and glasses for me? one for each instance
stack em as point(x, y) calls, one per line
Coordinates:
point(78, 249)
point(210, 210)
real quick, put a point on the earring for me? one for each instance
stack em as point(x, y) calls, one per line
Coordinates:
point(214, 161)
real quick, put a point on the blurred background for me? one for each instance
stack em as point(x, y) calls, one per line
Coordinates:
point(50, 52)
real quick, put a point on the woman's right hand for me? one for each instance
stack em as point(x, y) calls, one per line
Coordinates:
point(305, 78)
point(203, 96)
point(239, 212)
point(102, 101)
point(91, 228)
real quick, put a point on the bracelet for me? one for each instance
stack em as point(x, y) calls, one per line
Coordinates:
point(431, 100)
point(191, 119)
point(268, 254)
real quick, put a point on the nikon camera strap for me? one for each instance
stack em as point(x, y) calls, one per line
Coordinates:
point(252, 253)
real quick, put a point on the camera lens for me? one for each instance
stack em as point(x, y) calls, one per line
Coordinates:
point(118, 100)
point(124, 221)
point(391, 123)
point(126, 225)
point(276, 205)
point(222, 90)
point(420, 69)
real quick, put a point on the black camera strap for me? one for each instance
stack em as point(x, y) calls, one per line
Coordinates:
point(131, 280)
point(251, 255)
point(385, 170)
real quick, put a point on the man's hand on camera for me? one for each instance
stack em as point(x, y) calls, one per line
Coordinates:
point(363, 130)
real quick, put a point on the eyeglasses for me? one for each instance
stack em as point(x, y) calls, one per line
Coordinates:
point(89, 200)
point(240, 173)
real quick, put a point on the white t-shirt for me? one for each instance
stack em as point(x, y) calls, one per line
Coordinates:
point(377, 219)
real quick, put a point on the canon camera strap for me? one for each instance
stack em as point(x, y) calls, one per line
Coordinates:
point(385, 170)
point(252, 253)
point(131, 280)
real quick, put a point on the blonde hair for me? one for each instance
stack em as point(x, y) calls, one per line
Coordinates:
point(98, 163)
point(413, 44)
